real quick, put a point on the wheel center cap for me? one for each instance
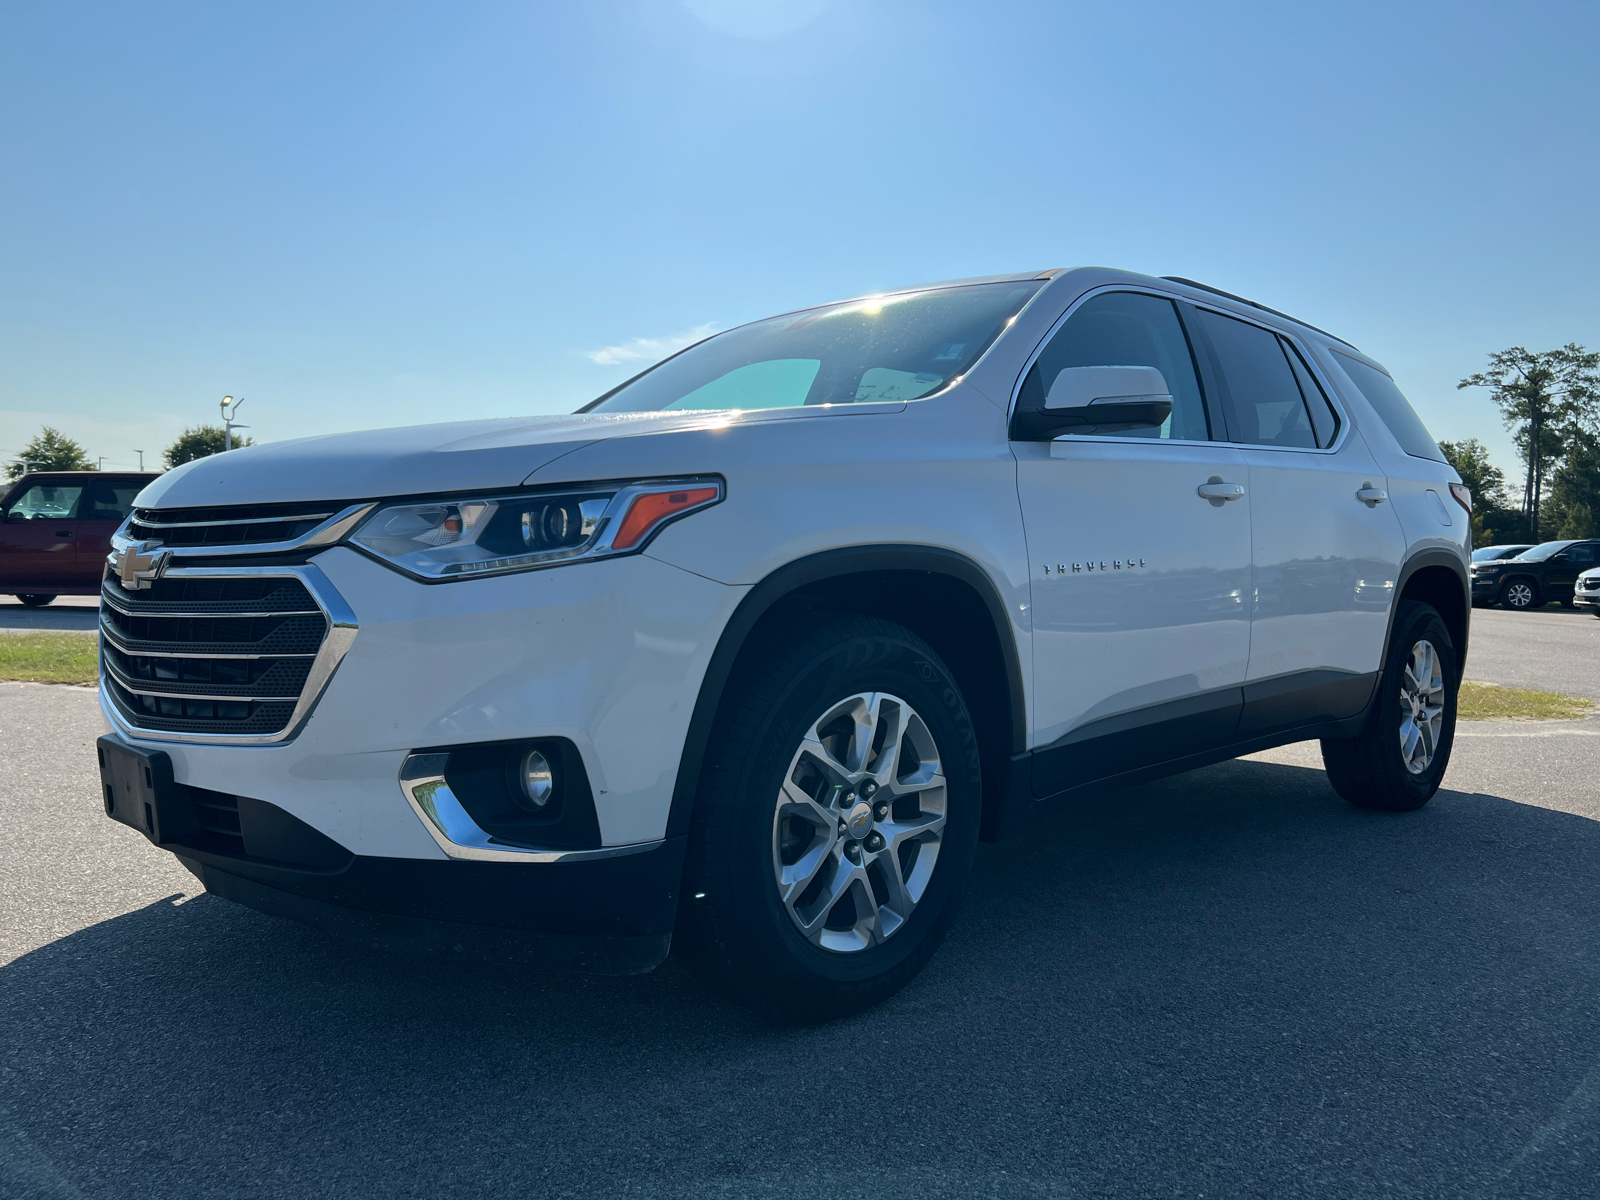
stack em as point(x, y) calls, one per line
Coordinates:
point(859, 822)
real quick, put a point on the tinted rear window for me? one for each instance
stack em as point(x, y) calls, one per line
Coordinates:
point(1392, 405)
point(1265, 405)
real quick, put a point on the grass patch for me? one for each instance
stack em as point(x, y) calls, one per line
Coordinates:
point(1489, 702)
point(50, 657)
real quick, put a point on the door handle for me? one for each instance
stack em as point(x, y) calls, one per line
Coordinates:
point(1371, 496)
point(1218, 492)
point(63, 533)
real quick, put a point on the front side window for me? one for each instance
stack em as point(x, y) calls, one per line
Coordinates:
point(883, 348)
point(46, 502)
point(1126, 329)
point(1543, 551)
point(1265, 404)
point(1392, 407)
point(1582, 555)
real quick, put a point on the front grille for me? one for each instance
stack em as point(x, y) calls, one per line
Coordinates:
point(210, 655)
point(235, 525)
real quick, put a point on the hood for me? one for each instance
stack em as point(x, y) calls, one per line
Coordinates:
point(455, 456)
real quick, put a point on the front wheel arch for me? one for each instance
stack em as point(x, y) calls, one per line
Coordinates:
point(942, 596)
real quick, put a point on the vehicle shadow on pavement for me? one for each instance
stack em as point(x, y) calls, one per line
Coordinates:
point(1226, 983)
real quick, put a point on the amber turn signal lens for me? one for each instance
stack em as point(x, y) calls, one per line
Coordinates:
point(647, 512)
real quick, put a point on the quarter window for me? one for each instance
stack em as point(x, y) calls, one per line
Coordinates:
point(1265, 404)
point(1126, 329)
point(1393, 407)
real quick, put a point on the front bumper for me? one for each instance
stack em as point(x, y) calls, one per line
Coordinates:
point(605, 911)
point(607, 655)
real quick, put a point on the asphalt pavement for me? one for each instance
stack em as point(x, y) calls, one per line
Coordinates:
point(62, 613)
point(1228, 983)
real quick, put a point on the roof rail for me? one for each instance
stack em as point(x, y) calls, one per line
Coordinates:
point(1206, 287)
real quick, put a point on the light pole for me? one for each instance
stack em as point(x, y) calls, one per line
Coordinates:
point(228, 423)
point(140, 453)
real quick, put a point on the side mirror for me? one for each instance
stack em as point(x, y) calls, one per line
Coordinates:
point(1107, 399)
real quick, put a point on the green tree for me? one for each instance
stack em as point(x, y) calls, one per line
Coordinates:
point(1544, 398)
point(1575, 490)
point(199, 442)
point(52, 450)
point(1494, 520)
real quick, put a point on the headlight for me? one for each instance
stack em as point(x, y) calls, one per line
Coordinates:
point(458, 539)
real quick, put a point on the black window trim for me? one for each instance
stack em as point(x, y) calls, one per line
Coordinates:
point(1211, 378)
point(1335, 401)
point(1213, 410)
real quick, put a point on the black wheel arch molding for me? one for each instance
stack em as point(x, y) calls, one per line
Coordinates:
point(1455, 606)
point(797, 579)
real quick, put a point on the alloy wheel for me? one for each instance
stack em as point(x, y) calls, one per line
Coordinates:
point(858, 822)
point(1421, 707)
point(1519, 594)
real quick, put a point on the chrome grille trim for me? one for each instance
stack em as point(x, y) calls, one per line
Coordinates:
point(128, 686)
point(285, 520)
point(198, 615)
point(329, 532)
point(342, 627)
point(122, 647)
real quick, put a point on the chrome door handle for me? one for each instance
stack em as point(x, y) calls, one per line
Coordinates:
point(1218, 492)
point(1371, 496)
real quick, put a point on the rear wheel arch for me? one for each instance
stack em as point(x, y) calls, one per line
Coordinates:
point(942, 596)
point(1437, 578)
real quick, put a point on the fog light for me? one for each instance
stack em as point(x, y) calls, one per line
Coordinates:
point(538, 781)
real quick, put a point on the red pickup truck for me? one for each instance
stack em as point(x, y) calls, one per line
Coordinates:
point(55, 531)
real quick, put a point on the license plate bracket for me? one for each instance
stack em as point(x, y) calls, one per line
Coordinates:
point(138, 790)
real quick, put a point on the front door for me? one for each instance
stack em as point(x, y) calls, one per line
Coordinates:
point(1326, 544)
point(1561, 575)
point(38, 538)
point(1140, 556)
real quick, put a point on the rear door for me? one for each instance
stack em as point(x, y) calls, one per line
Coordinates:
point(1141, 583)
point(105, 505)
point(1325, 543)
point(38, 538)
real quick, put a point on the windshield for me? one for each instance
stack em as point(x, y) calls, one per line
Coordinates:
point(1495, 553)
point(882, 348)
point(1544, 550)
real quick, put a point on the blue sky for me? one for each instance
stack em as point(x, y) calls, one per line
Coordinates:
point(359, 215)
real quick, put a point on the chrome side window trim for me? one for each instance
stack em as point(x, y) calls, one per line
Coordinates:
point(336, 643)
point(423, 783)
point(1299, 344)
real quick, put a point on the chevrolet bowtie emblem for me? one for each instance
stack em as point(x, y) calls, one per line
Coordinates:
point(139, 564)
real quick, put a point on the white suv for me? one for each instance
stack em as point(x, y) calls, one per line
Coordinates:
point(748, 655)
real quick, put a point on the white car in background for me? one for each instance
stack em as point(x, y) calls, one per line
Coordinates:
point(746, 657)
point(1586, 591)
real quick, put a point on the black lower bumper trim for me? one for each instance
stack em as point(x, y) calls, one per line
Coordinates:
point(610, 915)
point(616, 954)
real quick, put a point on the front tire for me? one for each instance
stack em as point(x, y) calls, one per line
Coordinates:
point(836, 824)
point(1398, 760)
point(35, 599)
point(1520, 594)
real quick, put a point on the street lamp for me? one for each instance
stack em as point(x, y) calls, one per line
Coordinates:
point(228, 423)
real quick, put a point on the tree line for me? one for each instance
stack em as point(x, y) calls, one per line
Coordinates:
point(1550, 400)
point(52, 450)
